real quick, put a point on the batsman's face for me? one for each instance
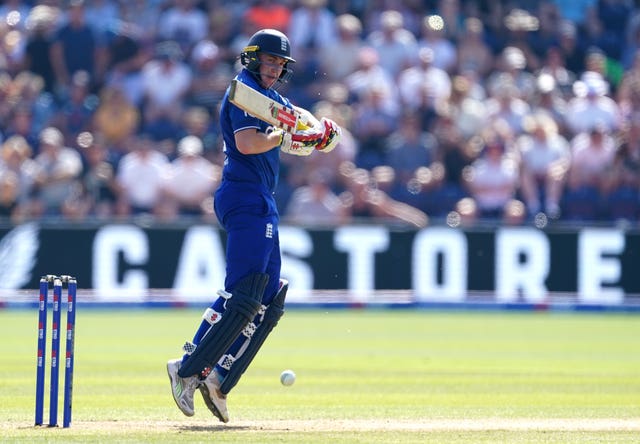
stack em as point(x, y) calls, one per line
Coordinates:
point(270, 69)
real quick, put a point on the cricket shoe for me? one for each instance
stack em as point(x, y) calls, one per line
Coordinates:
point(182, 389)
point(215, 400)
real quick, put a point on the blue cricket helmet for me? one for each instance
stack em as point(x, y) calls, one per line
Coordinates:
point(269, 41)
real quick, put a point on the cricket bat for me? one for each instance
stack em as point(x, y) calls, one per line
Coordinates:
point(265, 108)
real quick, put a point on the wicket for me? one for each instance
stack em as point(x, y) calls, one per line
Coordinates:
point(45, 282)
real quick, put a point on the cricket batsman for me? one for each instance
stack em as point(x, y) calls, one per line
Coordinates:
point(238, 322)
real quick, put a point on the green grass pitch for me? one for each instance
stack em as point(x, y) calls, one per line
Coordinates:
point(363, 376)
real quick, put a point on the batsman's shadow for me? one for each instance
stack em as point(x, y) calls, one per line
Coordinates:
point(213, 428)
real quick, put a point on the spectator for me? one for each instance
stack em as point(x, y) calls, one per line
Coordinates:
point(100, 189)
point(57, 185)
point(548, 99)
point(545, 157)
point(411, 13)
point(190, 181)
point(554, 66)
point(183, 23)
point(315, 203)
point(9, 209)
point(473, 54)
point(511, 68)
point(165, 84)
point(467, 106)
point(139, 177)
point(311, 27)
point(339, 59)
point(591, 105)
point(596, 61)
point(124, 56)
point(197, 121)
point(622, 180)
point(394, 44)
point(628, 94)
point(211, 76)
point(521, 27)
point(16, 161)
point(115, 118)
point(21, 123)
point(433, 35)
point(28, 92)
point(592, 155)
point(39, 38)
point(547, 34)
point(508, 106)
point(453, 156)
point(492, 179)
point(7, 98)
point(410, 147)
point(423, 85)
point(571, 47)
point(76, 114)
point(226, 28)
point(12, 34)
point(371, 75)
point(372, 124)
point(74, 49)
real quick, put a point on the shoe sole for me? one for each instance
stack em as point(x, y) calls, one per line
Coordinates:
point(204, 391)
point(173, 395)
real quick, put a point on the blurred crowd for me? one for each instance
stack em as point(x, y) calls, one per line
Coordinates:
point(465, 111)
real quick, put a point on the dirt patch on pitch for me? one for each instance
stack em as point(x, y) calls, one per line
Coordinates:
point(355, 425)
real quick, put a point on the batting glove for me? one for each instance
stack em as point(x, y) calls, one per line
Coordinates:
point(330, 136)
point(290, 145)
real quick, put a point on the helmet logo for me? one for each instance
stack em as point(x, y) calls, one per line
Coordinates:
point(284, 45)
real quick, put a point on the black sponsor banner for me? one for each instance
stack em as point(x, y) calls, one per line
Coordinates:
point(599, 265)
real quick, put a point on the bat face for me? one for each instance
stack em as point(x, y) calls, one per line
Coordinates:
point(263, 107)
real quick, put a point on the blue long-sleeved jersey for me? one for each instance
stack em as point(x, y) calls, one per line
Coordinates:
point(262, 168)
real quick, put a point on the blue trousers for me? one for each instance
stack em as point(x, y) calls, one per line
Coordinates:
point(250, 218)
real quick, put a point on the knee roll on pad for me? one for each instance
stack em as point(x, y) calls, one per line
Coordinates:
point(241, 308)
point(272, 315)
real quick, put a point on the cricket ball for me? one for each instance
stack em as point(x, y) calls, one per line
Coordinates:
point(287, 377)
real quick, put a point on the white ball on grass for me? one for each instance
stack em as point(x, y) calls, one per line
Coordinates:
point(287, 377)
